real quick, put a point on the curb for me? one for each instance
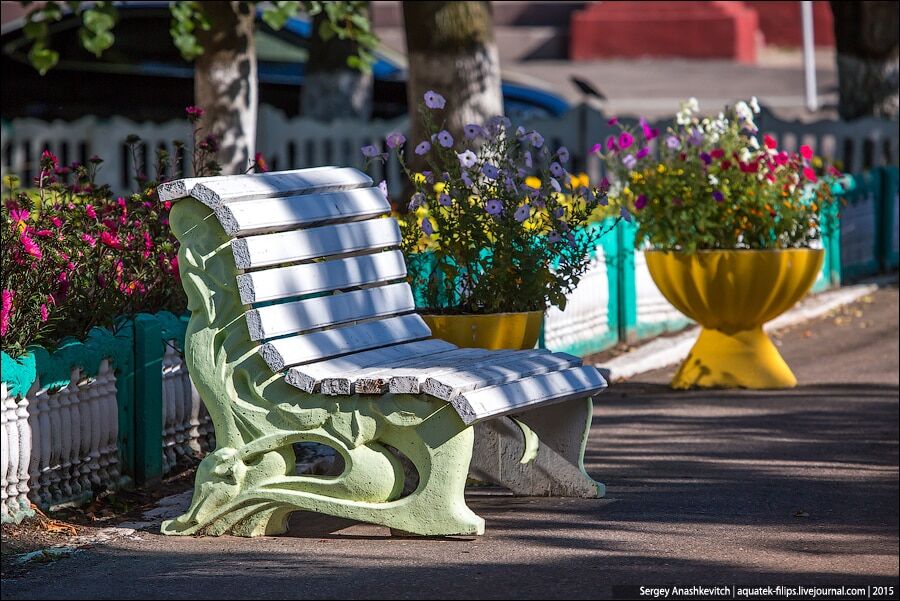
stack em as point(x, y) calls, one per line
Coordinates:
point(670, 350)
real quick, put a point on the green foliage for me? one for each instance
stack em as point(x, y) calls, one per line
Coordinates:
point(346, 20)
point(716, 185)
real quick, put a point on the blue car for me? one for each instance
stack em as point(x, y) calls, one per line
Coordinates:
point(143, 77)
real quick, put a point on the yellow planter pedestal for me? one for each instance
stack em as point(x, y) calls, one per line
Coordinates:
point(731, 294)
point(491, 331)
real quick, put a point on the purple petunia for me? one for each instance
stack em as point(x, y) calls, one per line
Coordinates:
point(490, 171)
point(555, 184)
point(427, 228)
point(472, 131)
point(493, 206)
point(464, 175)
point(625, 140)
point(444, 138)
point(611, 143)
point(643, 152)
point(696, 138)
point(444, 200)
point(522, 213)
point(370, 151)
point(416, 201)
point(559, 212)
point(673, 142)
point(556, 169)
point(640, 202)
point(553, 237)
point(624, 214)
point(467, 158)
point(527, 158)
point(718, 196)
point(433, 100)
point(383, 187)
point(537, 140)
point(629, 161)
point(563, 154)
point(423, 147)
point(649, 132)
point(706, 158)
point(395, 139)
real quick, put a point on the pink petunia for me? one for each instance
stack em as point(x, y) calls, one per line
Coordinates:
point(625, 140)
point(770, 141)
point(806, 152)
point(809, 174)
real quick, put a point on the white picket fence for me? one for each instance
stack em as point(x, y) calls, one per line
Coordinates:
point(60, 446)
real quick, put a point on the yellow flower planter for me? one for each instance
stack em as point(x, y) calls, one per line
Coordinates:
point(732, 293)
point(492, 331)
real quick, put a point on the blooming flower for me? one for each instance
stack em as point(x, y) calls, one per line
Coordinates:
point(806, 152)
point(90, 211)
point(395, 139)
point(444, 200)
point(31, 247)
point(370, 151)
point(91, 241)
point(611, 143)
point(673, 142)
point(770, 142)
point(382, 185)
point(612, 121)
point(555, 184)
point(422, 147)
point(427, 228)
point(45, 313)
point(537, 140)
point(467, 158)
point(625, 214)
point(706, 158)
point(493, 206)
point(433, 100)
point(596, 148)
point(649, 132)
point(522, 213)
point(260, 161)
point(642, 152)
point(194, 113)
point(556, 169)
point(640, 202)
point(563, 154)
point(489, 171)
point(110, 240)
point(472, 131)
point(718, 196)
point(416, 201)
point(625, 140)
point(5, 310)
point(445, 139)
point(629, 161)
point(696, 138)
point(529, 162)
point(809, 174)
point(467, 180)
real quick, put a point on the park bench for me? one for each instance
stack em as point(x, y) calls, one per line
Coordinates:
point(303, 329)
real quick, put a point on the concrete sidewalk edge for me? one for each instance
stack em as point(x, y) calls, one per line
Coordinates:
point(664, 351)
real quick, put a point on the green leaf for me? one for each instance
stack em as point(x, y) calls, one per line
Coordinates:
point(43, 59)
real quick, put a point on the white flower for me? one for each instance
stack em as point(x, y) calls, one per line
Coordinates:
point(754, 142)
point(693, 104)
point(467, 158)
point(745, 155)
point(754, 104)
point(713, 180)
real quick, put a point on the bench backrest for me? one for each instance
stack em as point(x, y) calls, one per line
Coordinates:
point(320, 271)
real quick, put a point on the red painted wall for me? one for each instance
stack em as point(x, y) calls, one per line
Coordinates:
point(727, 30)
point(781, 25)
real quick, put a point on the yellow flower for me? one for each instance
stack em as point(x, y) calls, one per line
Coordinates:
point(532, 182)
point(660, 168)
point(439, 187)
point(419, 178)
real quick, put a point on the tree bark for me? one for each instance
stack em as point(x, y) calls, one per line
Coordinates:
point(225, 82)
point(332, 89)
point(451, 50)
point(866, 35)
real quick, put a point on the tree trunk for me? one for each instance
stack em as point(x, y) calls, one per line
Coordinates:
point(225, 82)
point(332, 89)
point(866, 35)
point(452, 51)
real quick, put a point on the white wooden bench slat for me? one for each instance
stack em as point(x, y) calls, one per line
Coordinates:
point(308, 377)
point(448, 385)
point(335, 309)
point(376, 379)
point(234, 189)
point(306, 348)
point(410, 381)
point(299, 245)
point(181, 188)
point(291, 212)
point(513, 397)
point(311, 278)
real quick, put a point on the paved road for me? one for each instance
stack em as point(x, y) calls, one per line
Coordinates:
point(796, 487)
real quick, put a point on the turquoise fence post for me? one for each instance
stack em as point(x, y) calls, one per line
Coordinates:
point(890, 198)
point(125, 401)
point(627, 291)
point(148, 402)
